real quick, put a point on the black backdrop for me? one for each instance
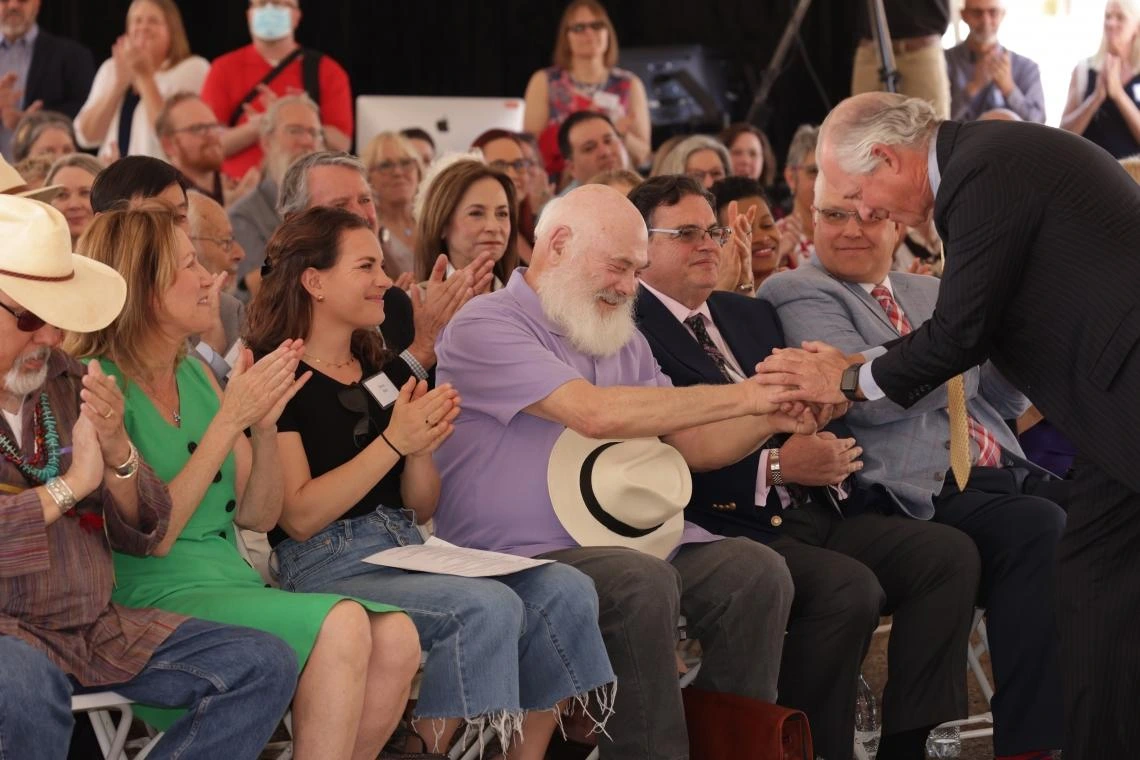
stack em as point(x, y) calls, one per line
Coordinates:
point(490, 47)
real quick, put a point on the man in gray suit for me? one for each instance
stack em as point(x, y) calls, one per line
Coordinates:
point(849, 297)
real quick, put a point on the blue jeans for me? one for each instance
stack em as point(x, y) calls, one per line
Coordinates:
point(516, 643)
point(234, 682)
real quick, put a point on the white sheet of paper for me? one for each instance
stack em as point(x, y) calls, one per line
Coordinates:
point(438, 556)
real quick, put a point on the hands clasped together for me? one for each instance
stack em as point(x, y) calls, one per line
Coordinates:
point(422, 419)
point(801, 386)
point(257, 392)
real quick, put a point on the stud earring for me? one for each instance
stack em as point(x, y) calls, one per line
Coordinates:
point(320, 299)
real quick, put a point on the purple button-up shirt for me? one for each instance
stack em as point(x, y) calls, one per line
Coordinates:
point(1027, 99)
point(503, 354)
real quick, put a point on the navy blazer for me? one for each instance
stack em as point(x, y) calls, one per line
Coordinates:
point(60, 74)
point(723, 500)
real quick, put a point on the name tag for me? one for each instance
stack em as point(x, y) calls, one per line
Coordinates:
point(382, 389)
point(608, 102)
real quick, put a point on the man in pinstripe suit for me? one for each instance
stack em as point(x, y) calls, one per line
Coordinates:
point(1041, 277)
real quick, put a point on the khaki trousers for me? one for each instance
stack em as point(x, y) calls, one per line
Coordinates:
point(922, 74)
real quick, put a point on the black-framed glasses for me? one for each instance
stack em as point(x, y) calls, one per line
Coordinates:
point(691, 234)
point(403, 165)
point(279, 3)
point(355, 400)
point(26, 321)
point(595, 26)
point(520, 165)
point(837, 217)
point(201, 129)
point(226, 244)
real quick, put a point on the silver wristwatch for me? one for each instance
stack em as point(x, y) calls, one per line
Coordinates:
point(774, 473)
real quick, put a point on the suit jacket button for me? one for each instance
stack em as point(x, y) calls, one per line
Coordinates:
point(947, 444)
point(777, 521)
point(939, 476)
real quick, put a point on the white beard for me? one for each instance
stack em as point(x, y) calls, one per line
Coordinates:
point(21, 383)
point(570, 302)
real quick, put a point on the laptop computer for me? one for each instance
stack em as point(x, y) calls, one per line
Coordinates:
point(453, 122)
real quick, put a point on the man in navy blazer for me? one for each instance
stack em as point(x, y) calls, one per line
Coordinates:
point(1041, 277)
point(848, 559)
point(47, 71)
point(849, 297)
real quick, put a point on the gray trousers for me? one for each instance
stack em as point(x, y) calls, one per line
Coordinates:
point(735, 595)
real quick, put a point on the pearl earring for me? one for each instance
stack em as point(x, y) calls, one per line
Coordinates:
point(320, 299)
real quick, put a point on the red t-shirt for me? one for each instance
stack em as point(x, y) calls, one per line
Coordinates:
point(234, 74)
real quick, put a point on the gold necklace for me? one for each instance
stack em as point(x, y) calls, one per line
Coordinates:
point(334, 365)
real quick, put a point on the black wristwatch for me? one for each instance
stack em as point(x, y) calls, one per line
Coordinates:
point(849, 382)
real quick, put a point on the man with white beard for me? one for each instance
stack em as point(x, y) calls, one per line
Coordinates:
point(557, 350)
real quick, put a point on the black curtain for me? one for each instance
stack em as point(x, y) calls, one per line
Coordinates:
point(491, 47)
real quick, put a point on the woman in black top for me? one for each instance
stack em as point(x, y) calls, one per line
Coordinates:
point(359, 477)
point(1104, 93)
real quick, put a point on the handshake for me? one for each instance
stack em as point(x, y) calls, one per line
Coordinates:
point(801, 385)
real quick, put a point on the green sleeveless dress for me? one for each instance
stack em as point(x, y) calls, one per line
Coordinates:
point(203, 575)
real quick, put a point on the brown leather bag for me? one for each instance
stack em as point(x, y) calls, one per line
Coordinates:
point(730, 727)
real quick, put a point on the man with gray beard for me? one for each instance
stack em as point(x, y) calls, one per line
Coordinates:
point(290, 129)
point(556, 350)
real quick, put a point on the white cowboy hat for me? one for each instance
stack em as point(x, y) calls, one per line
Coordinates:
point(619, 492)
point(11, 183)
point(40, 273)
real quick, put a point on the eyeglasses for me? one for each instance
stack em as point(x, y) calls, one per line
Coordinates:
point(25, 320)
point(519, 165)
point(226, 244)
point(691, 234)
point(595, 26)
point(404, 165)
point(200, 130)
point(979, 12)
point(716, 175)
point(296, 130)
point(278, 3)
point(354, 400)
point(837, 217)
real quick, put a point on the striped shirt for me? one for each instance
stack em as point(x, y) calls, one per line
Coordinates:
point(56, 581)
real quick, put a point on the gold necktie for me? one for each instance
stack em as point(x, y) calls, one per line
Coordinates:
point(959, 431)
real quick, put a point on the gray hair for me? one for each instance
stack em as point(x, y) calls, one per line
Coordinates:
point(675, 162)
point(273, 113)
point(803, 143)
point(882, 118)
point(84, 161)
point(294, 196)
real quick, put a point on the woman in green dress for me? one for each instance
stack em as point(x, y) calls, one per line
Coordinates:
point(358, 661)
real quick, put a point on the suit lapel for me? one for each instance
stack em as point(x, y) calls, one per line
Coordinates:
point(748, 346)
point(913, 302)
point(673, 338)
point(868, 302)
point(35, 68)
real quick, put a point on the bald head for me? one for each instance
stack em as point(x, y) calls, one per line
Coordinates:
point(591, 218)
point(999, 114)
point(212, 234)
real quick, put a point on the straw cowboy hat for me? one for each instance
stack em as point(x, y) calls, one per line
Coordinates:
point(11, 183)
point(40, 273)
point(619, 492)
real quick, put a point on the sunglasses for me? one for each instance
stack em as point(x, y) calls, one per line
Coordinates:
point(596, 26)
point(354, 400)
point(25, 320)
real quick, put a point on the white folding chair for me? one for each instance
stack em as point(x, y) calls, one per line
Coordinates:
point(984, 720)
point(100, 708)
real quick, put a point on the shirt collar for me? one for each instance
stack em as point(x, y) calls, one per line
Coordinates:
point(678, 309)
point(932, 163)
point(886, 283)
point(26, 41)
point(527, 298)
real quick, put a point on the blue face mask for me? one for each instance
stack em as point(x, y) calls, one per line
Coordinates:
point(271, 22)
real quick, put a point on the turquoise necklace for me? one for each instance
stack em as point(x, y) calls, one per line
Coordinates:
point(44, 462)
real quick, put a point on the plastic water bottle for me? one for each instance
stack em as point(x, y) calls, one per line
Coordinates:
point(867, 724)
point(944, 743)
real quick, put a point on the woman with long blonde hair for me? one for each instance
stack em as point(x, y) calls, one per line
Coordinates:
point(1103, 105)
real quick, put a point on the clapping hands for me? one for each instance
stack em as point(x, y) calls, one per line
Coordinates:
point(257, 392)
point(422, 419)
